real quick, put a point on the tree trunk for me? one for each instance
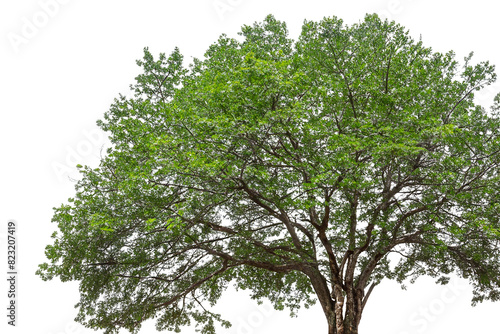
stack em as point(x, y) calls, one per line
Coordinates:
point(347, 326)
point(332, 329)
point(348, 308)
point(342, 306)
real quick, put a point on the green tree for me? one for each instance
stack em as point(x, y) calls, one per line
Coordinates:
point(296, 169)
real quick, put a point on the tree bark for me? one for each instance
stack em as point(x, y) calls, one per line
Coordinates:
point(348, 309)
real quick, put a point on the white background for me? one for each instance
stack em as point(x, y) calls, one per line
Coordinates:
point(63, 62)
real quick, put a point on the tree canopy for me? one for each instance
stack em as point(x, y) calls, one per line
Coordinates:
point(303, 171)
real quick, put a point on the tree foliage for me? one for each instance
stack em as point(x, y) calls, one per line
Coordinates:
point(301, 170)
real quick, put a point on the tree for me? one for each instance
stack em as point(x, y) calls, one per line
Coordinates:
point(303, 171)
